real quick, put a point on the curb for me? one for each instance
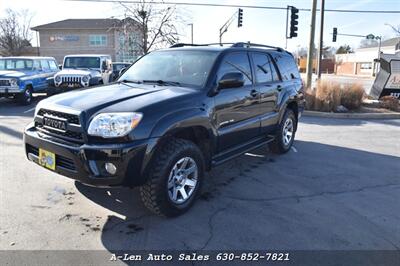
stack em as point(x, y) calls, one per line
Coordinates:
point(352, 115)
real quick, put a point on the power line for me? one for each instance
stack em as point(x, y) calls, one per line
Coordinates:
point(241, 6)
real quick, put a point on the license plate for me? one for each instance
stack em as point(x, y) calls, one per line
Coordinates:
point(47, 159)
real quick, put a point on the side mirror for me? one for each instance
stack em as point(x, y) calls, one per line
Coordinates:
point(60, 67)
point(231, 80)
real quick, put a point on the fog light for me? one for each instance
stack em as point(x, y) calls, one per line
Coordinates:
point(110, 168)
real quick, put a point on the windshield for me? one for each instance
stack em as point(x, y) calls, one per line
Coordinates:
point(189, 68)
point(16, 64)
point(82, 62)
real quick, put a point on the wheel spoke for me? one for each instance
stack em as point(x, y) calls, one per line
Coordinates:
point(191, 170)
point(190, 182)
point(184, 163)
point(183, 193)
point(174, 193)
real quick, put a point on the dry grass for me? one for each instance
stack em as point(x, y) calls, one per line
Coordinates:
point(390, 102)
point(352, 96)
point(327, 96)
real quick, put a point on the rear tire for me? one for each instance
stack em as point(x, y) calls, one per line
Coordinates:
point(174, 179)
point(26, 97)
point(285, 134)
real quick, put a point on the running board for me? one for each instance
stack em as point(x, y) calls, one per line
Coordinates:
point(238, 151)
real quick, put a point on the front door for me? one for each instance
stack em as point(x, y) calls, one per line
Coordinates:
point(236, 109)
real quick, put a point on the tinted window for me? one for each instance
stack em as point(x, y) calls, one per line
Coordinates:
point(45, 64)
point(236, 62)
point(262, 65)
point(287, 66)
point(185, 67)
point(53, 65)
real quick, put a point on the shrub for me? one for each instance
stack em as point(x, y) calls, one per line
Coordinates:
point(352, 96)
point(390, 102)
point(310, 99)
point(327, 96)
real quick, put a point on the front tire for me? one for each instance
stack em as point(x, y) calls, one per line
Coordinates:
point(174, 179)
point(26, 97)
point(285, 134)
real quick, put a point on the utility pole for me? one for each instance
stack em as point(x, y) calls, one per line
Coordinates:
point(191, 28)
point(321, 39)
point(311, 44)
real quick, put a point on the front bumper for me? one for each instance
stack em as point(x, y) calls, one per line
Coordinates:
point(85, 163)
point(10, 90)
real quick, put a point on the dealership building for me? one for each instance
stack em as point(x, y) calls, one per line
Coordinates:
point(363, 62)
point(119, 38)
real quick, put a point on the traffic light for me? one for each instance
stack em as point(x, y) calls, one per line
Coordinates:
point(294, 16)
point(334, 34)
point(240, 18)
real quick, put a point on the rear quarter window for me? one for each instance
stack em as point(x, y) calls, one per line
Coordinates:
point(287, 66)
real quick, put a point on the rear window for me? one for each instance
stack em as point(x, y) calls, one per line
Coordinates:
point(287, 66)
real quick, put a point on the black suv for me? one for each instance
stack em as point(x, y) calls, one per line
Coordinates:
point(171, 116)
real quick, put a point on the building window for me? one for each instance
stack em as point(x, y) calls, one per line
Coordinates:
point(98, 40)
point(366, 66)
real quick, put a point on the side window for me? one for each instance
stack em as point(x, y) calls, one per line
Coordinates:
point(53, 65)
point(36, 64)
point(262, 65)
point(287, 67)
point(45, 65)
point(236, 62)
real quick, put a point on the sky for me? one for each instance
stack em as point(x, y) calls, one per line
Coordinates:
point(259, 25)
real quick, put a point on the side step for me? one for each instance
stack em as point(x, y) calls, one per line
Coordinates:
point(238, 151)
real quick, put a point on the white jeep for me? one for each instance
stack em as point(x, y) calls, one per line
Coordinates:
point(80, 71)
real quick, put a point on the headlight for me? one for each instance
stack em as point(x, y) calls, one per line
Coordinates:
point(57, 79)
point(85, 79)
point(14, 82)
point(112, 125)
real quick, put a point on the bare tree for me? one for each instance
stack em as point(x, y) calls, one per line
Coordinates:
point(158, 27)
point(396, 29)
point(15, 35)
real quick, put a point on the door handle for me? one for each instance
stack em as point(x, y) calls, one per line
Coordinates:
point(279, 88)
point(254, 93)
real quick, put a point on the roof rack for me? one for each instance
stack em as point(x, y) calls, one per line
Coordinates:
point(249, 44)
point(237, 44)
point(177, 45)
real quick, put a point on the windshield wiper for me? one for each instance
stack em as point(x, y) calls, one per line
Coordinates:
point(126, 81)
point(163, 82)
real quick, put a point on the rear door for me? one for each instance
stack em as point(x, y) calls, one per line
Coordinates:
point(269, 84)
point(236, 109)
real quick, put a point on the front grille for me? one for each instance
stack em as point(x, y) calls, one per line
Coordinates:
point(71, 80)
point(68, 135)
point(75, 135)
point(60, 160)
point(5, 82)
point(71, 119)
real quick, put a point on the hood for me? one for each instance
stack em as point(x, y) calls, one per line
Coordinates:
point(78, 72)
point(115, 97)
point(12, 74)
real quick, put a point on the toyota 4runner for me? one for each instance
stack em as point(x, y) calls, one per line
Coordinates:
point(171, 116)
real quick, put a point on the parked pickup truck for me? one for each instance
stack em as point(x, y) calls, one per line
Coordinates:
point(174, 114)
point(22, 76)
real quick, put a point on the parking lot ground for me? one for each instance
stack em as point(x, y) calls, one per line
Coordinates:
point(337, 189)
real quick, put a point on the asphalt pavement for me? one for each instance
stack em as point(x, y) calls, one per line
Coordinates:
point(337, 189)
